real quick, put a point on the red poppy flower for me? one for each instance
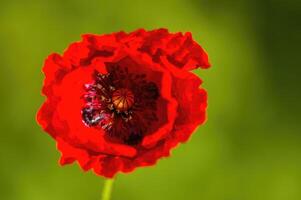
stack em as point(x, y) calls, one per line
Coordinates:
point(119, 101)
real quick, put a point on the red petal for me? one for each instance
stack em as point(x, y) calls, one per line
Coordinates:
point(77, 53)
point(181, 50)
point(69, 109)
point(167, 105)
point(55, 68)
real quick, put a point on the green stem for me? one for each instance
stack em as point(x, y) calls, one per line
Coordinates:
point(107, 189)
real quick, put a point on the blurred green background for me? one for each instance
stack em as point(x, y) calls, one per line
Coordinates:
point(249, 148)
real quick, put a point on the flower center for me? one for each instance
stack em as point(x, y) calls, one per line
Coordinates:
point(122, 99)
point(122, 104)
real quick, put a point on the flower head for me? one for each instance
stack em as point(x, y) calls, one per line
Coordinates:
point(119, 101)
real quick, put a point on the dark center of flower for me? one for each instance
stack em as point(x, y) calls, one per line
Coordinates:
point(123, 99)
point(122, 104)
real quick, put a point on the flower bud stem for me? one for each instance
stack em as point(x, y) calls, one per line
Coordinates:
point(107, 189)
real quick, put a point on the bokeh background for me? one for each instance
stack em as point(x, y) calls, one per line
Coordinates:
point(250, 147)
